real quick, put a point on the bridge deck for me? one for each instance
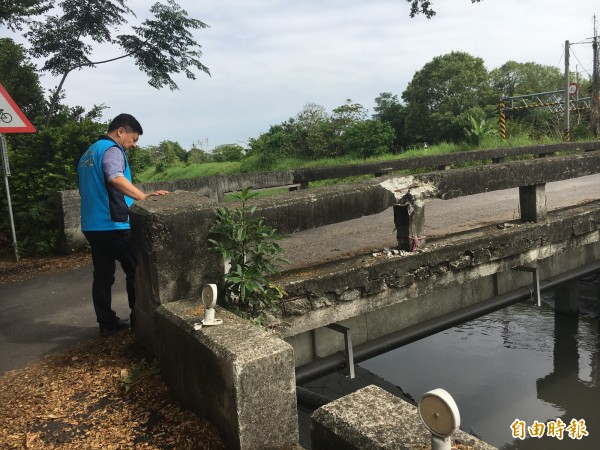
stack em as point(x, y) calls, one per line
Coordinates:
point(373, 233)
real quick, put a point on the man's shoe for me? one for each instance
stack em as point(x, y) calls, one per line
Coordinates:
point(117, 325)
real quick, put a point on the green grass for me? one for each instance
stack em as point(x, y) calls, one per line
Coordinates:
point(185, 171)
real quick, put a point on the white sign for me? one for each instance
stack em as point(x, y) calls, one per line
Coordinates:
point(12, 119)
point(573, 88)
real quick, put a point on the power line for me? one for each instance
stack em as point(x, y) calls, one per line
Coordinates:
point(581, 64)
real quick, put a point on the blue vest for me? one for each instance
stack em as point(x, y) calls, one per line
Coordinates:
point(103, 208)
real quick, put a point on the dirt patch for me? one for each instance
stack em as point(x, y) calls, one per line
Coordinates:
point(101, 394)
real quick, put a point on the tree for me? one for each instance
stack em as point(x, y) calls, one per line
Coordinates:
point(311, 133)
point(348, 114)
point(443, 93)
point(388, 109)
point(161, 46)
point(14, 13)
point(270, 145)
point(227, 152)
point(368, 138)
point(50, 158)
point(166, 154)
point(197, 155)
point(424, 7)
point(513, 78)
point(20, 79)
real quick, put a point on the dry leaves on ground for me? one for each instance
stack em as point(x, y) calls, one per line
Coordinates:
point(101, 394)
point(27, 267)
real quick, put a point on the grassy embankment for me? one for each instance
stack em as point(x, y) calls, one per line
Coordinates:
point(186, 171)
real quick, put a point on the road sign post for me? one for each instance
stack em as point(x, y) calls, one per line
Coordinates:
point(6, 172)
point(12, 120)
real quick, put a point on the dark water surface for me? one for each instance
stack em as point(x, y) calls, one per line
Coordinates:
point(524, 362)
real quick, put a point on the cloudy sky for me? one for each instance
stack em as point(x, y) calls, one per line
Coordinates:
point(268, 58)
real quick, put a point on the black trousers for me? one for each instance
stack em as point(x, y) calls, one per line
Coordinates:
point(107, 248)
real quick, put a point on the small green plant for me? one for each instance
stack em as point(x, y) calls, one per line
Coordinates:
point(478, 130)
point(141, 370)
point(248, 243)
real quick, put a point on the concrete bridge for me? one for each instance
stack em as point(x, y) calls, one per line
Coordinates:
point(229, 373)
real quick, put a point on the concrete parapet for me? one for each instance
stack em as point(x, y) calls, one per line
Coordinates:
point(343, 202)
point(323, 173)
point(170, 234)
point(213, 187)
point(474, 180)
point(71, 238)
point(301, 210)
point(235, 375)
point(372, 418)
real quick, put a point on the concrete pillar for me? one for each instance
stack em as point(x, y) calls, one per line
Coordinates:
point(566, 298)
point(235, 375)
point(372, 418)
point(410, 226)
point(533, 203)
point(170, 234)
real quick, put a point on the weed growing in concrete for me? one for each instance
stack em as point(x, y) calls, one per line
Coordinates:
point(249, 244)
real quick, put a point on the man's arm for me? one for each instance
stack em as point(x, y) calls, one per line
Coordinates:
point(124, 186)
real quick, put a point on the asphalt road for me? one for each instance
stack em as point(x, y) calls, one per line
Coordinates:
point(52, 311)
point(41, 315)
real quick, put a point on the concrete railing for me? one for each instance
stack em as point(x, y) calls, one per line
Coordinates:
point(440, 162)
point(215, 187)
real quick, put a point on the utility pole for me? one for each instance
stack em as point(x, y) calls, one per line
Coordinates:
point(595, 104)
point(567, 132)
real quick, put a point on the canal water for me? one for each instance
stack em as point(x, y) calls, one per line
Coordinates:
point(509, 372)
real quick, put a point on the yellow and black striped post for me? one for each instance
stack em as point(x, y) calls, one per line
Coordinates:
point(502, 120)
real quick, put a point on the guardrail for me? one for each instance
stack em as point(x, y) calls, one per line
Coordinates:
point(215, 187)
point(497, 155)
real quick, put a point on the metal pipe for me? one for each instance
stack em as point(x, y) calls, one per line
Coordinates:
point(311, 400)
point(383, 344)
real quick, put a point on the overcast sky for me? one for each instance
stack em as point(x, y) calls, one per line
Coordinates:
point(268, 58)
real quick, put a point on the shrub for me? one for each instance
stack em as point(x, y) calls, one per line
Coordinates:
point(249, 244)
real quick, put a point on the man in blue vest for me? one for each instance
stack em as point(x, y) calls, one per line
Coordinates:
point(107, 193)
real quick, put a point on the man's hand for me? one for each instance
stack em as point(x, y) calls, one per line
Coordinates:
point(124, 186)
point(157, 193)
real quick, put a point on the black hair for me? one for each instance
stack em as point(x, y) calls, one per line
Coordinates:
point(125, 121)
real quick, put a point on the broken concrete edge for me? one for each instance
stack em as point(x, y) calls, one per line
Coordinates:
point(372, 418)
point(356, 283)
point(236, 375)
